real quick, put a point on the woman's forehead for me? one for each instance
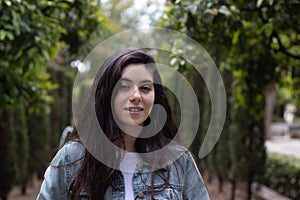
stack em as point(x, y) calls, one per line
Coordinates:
point(137, 72)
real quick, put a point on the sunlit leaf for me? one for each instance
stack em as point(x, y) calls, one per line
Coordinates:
point(224, 10)
point(258, 3)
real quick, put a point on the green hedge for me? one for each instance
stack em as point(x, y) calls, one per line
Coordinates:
point(29, 140)
point(283, 174)
point(8, 165)
point(61, 109)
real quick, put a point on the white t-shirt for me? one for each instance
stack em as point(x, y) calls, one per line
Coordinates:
point(127, 167)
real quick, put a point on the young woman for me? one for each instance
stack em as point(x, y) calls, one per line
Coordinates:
point(128, 86)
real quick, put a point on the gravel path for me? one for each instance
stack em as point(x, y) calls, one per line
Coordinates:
point(284, 146)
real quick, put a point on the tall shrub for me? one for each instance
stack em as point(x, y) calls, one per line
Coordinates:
point(8, 167)
point(22, 147)
point(223, 161)
point(39, 128)
point(61, 108)
point(247, 148)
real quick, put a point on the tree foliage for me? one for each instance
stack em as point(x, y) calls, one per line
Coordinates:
point(32, 33)
point(264, 32)
point(259, 42)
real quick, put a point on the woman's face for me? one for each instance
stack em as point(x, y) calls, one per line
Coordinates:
point(135, 95)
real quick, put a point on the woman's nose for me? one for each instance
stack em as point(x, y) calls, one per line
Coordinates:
point(135, 96)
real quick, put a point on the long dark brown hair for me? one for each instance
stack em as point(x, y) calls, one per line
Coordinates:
point(94, 177)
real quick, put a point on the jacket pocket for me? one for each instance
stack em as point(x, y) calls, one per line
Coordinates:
point(168, 194)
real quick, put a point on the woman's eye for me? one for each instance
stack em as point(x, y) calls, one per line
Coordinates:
point(124, 87)
point(146, 88)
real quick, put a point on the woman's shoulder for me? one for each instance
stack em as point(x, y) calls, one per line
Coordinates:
point(185, 158)
point(181, 151)
point(71, 152)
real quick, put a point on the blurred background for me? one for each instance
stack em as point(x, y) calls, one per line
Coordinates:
point(255, 45)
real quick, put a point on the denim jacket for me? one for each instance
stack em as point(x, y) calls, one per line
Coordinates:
point(185, 181)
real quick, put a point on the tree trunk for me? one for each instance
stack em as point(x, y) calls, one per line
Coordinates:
point(220, 184)
point(209, 178)
point(24, 187)
point(270, 96)
point(249, 189)
point(233, 188)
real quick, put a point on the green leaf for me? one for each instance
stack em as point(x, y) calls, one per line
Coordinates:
point(235, 37)
point(271, 2)
point(46, 54)
point(10, 36)
point(224, 10)
point(16, 25)
point(2, 34)
point(258, 3)
point(8, 3)
point(208, 16)
point(173, 61)
point(267, 29)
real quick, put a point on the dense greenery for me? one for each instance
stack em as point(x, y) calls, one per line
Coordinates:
point(254, 43)
point(32, 33)
point(29, 140)
point(60, 118)
point(22, 145)
point(258, 43)
point(283, 174)
point(8, 145)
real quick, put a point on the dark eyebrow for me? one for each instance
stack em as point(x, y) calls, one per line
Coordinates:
point(125, 79)
point(146, 81)
point(143, 81)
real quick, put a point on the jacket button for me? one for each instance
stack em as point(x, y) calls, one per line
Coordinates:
point(140, 195)
point(139, 167)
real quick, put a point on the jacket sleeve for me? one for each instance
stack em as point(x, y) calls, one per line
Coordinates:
point(194, 187)
point(60, 172)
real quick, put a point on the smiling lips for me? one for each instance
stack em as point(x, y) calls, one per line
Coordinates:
point(134, 110)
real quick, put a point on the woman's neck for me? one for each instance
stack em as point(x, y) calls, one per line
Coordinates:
point(129, 142)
